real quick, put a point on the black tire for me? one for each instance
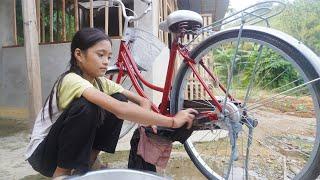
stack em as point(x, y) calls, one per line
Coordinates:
point(306, 63)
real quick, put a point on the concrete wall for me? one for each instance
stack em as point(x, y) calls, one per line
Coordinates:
point(6, 38)
point(6, 25)
point(6, 30)
point(53, 61)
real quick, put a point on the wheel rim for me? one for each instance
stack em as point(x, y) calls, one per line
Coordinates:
point(287, 150)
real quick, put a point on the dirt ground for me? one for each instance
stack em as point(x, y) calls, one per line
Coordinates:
point(14, 139)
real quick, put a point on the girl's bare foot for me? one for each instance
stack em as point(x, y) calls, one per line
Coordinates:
point(98, 165)
point(61, 173)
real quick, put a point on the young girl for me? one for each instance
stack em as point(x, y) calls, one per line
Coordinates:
point(83, 113)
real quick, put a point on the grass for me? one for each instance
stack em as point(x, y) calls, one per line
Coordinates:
point(35, 177)
point(296, 104)
point(118, 156)
point(300, 106)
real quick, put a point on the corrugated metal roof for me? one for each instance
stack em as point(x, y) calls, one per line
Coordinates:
point(217, 8)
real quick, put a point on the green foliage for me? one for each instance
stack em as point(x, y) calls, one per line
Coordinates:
point(275, 72)
point(20, 36)
point(57, 22)
point(272, 70)
point(301, 20)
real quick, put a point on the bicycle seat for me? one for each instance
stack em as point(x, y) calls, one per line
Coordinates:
point(182, 20)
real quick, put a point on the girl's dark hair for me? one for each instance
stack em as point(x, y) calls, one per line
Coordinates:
point(83, 39)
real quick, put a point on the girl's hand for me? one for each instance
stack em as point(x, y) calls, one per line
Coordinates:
point(146, 104)
point(184, 116)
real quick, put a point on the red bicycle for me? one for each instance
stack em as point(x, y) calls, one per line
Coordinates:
point(256, 88)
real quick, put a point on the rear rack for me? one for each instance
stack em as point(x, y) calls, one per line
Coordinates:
point(259, 12)
point(251, 15)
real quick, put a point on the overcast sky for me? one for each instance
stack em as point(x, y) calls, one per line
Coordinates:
point(240, 4)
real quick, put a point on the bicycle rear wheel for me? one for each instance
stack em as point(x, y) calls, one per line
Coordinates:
point(126, 83)
point(275, 80)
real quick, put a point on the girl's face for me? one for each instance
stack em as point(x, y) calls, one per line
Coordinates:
point(95, 60)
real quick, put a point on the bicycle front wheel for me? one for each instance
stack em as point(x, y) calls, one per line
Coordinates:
point(273, 82)
point(126, 83)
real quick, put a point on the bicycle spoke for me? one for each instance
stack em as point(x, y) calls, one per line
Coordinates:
point(200, 103)
point(274, 90)
point(232, 66)
point(275, 79)
point(252, 77)
point(280, 130)
point(213, 139)
point(265, 75)
point(289, 90)
point(273, 93)
point(290, 146)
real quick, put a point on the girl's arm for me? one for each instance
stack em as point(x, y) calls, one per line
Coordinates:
point(136, 113)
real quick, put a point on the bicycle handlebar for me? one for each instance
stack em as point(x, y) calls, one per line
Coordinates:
point(132, 18)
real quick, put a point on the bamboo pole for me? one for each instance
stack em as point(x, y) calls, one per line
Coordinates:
point(43, 30)
point(15, 23)
point(51, 20)
point(169, 4)
point(106, 18)
point(32, 57)
point(69, 33)
point(64, 36)
point(38, 19)
point(91, 14)
point(57, 21)
point(76, 15)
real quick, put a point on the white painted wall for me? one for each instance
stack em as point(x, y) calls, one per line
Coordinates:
point(55, 57)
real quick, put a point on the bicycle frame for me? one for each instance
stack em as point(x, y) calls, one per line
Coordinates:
point(127, 64)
